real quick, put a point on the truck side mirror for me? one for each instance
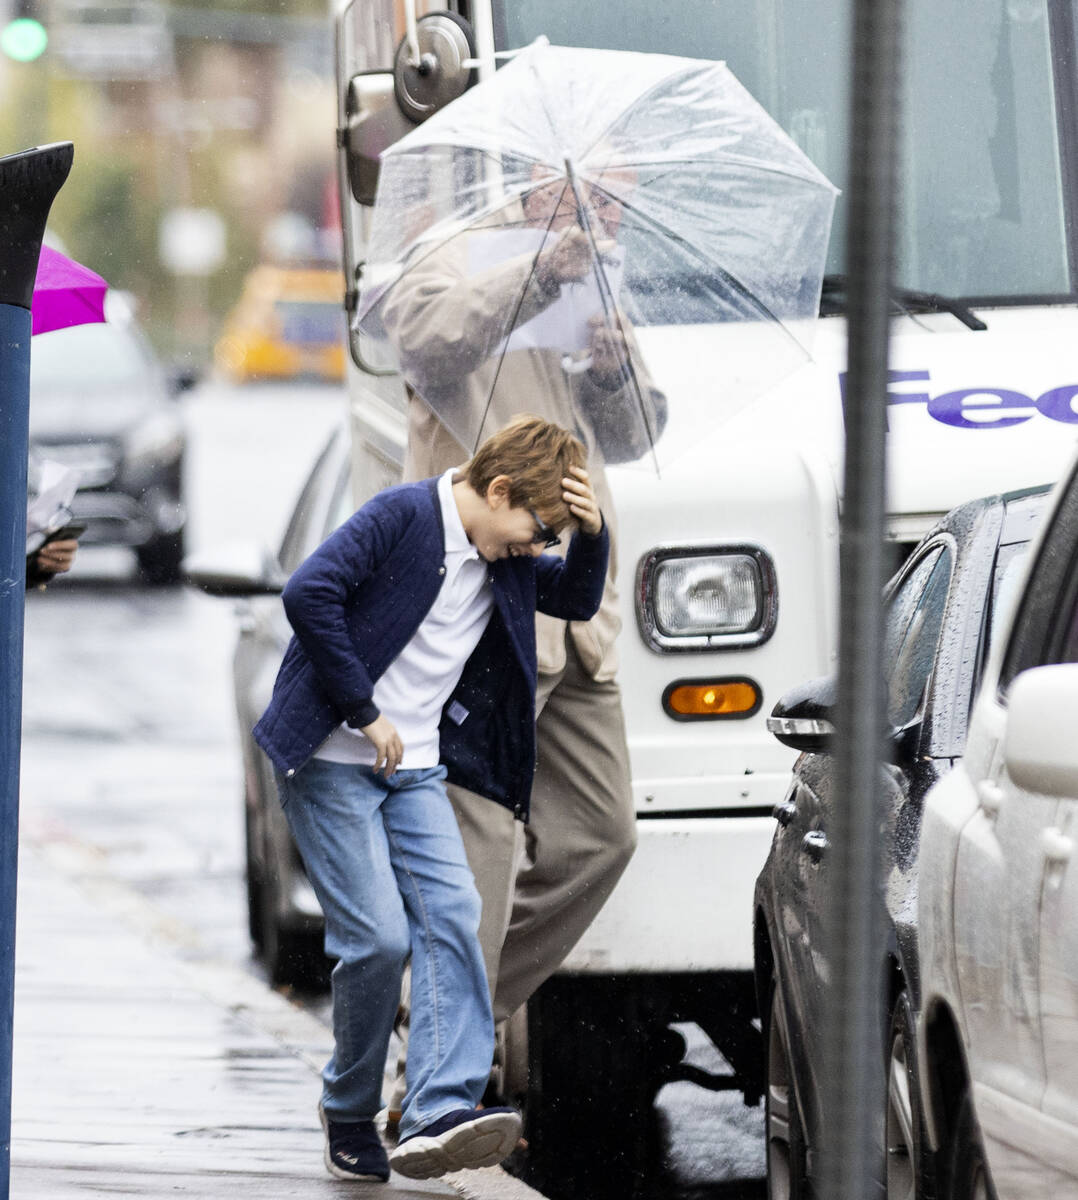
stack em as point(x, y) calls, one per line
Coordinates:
point(382, 106)
point(373, 122)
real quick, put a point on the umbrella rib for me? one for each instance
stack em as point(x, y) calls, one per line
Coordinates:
point(757, 163)
point(511, 326)
point(610, 310)
point(636, 104)
point(727, 276)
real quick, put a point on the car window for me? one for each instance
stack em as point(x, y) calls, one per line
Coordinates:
point(310, 321)
point(1005, 580)
point(305, 524)
point(342, 507)
point(1045, 627)
point(911, 633)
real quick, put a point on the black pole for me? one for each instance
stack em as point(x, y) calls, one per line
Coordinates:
point(28, 183)
point(853, 1152)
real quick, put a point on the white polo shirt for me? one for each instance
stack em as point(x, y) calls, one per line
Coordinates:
point(416, 685)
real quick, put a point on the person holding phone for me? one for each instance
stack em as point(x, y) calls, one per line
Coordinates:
point(55, 556)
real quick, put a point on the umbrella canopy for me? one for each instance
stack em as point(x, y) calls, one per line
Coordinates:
point(586, 224)
point(65, 293)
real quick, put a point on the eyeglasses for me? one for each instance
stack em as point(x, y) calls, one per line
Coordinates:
point(544, 535)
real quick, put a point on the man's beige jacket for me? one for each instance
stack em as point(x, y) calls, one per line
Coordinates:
point(448, 327)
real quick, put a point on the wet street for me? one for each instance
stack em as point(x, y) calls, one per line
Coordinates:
point(130, 755)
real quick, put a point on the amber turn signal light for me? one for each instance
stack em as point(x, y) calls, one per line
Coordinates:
point(711, 699)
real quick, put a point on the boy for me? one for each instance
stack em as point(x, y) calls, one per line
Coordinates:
point(414, 661)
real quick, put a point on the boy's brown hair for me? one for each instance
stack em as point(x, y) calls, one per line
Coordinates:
point(536, 455)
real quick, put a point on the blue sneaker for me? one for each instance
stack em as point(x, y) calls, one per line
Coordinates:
point(460, 1141)
point(354, 1150)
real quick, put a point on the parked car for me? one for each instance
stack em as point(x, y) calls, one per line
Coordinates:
point(998, 1039)
point(285, 919)
point(288, 323)
point(101, 402)
point(939, 619)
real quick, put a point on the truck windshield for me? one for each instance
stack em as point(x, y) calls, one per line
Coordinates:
point(983, 213)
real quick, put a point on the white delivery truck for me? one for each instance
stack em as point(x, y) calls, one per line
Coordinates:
point(982, 399)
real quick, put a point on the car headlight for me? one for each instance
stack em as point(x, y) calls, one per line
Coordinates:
point(706, 597)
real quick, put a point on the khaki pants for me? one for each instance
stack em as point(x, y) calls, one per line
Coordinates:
point(542, 884)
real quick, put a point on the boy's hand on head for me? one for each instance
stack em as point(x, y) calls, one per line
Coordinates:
point(577, 494)
point(387, 744)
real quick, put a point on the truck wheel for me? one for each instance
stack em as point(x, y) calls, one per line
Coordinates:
point(904, 1127)
point(591, 1123)
point(786, 1158)
point(968, 1177)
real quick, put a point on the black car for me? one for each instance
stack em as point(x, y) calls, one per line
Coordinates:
point(101, 403)
point(940, 612)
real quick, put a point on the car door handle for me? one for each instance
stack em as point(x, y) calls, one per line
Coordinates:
point(1057, 847)
point(990, 794)
point(815, 844)
point(785, 812)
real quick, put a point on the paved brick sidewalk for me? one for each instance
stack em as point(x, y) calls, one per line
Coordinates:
point(142, 1071)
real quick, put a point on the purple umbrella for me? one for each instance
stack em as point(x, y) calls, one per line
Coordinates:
point(65, 293)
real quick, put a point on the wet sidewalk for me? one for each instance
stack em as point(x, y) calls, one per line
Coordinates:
point(141, 1069)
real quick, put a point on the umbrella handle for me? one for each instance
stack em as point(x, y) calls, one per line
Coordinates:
point(575, 366)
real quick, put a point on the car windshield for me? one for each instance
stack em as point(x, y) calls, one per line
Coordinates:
point(310, 321)
point(983, 210)
point(87, 358)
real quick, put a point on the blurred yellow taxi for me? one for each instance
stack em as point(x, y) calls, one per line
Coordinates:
point(288, 323)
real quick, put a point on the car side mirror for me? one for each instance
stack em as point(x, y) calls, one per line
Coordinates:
point(244, 569)
point(1039, 747)
point(803, 719)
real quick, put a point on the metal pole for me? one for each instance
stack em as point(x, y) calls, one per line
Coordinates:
point(853, 1152)
point(28, 183)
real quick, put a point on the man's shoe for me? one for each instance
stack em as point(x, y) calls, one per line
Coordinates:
point(459, 1141)
point(354, 1150)
point(388, 1124)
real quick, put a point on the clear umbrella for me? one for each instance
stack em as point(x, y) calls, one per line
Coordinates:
point(584, 225)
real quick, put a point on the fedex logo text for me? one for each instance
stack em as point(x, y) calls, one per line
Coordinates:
point(979, 407)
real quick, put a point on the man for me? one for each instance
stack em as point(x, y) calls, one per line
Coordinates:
point(461, 324)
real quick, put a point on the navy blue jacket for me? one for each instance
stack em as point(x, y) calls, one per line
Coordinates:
point(359, 599)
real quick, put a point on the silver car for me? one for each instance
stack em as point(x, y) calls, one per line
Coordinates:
point(998, 903)
point(285, 919)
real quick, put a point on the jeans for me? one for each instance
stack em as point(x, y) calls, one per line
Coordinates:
point(386, 861)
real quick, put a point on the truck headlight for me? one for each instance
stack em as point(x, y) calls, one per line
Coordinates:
point(706, 597)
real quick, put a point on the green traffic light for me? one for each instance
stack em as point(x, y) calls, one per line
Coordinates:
point(24, 39)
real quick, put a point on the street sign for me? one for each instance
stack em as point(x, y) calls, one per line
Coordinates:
point(98, 40)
